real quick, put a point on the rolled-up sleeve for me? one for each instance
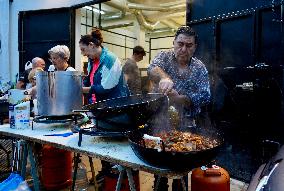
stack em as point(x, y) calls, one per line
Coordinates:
point(160, 61)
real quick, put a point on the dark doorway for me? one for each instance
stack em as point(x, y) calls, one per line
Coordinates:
point(41, 30)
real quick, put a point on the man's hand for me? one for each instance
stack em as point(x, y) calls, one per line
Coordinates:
point(176, 98)
point(166, 85)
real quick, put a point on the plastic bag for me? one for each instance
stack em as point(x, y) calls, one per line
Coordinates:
point(14, 183)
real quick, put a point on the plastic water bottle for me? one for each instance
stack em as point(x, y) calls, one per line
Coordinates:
point(82, 181)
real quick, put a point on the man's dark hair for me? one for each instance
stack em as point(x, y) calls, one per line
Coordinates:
point(186, 30)
point(139, 50)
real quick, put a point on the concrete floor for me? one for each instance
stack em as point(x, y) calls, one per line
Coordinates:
point(146, 179)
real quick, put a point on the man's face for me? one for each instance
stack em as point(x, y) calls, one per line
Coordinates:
point(184, 47)
point(138, 57)
point(41, 64)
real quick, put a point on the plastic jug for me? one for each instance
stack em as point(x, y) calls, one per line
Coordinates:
point(15, 96)
point(22, 115)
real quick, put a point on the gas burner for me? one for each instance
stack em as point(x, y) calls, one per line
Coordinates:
point(58, 119)
point(93, 131)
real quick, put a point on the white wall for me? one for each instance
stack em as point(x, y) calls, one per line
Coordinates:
point(9, 56)
point(4, 38)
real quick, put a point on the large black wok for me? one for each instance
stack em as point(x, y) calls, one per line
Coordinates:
point(175, 160)
point(124, 113)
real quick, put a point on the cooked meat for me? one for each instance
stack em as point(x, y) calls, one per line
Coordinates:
point(178, 141)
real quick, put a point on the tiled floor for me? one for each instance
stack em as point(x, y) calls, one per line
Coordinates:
point(146, 179)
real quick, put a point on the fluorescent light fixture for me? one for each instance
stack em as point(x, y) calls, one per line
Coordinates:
point(94, 9)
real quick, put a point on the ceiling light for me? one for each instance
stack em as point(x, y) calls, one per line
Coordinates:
point(94, 9)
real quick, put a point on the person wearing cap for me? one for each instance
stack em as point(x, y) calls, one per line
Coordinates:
point(183, 77)
point(131, 70)
point(59, 56)
point(23, 80)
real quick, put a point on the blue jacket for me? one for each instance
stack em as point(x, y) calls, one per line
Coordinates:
point(108, 79)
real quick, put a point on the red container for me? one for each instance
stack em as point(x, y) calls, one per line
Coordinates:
point(56, 168)
point(210, 179)
point(110, 181)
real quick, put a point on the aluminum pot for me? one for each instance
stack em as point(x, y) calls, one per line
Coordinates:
point(58, 93)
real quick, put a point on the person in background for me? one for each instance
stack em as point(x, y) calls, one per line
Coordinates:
point(59, 56)
point(105, 77)
point(32, 80)
point(183, 78)
point(131, 70)
point(23, 81)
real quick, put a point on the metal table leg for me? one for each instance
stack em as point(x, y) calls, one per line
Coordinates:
point(28, 152)
point(120, 178)
point(33, 167)
point(130, 179)
point(156, 186)
point(76, 162)
point(24, 161)
point(128, 171)
point(93, 180)
point(183, 184)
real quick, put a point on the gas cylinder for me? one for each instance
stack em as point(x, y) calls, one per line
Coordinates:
point(110, 181)
point(56, 168)
point(214, 178)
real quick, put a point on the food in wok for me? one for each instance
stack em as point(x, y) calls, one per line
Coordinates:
point(169, 151)
point(178, 141)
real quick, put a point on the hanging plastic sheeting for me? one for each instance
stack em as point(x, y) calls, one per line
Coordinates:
point(15, 182)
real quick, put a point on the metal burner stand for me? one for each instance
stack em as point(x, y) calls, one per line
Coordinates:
point(58, 119)
point(93, 131)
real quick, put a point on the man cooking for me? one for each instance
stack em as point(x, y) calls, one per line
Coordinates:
point(182, 77)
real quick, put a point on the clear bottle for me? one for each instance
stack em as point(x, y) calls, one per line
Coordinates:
point(82, 181)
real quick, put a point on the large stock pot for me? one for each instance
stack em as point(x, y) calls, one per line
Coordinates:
point(58, 93)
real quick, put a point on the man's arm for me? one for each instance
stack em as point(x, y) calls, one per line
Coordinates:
point(159, 76)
